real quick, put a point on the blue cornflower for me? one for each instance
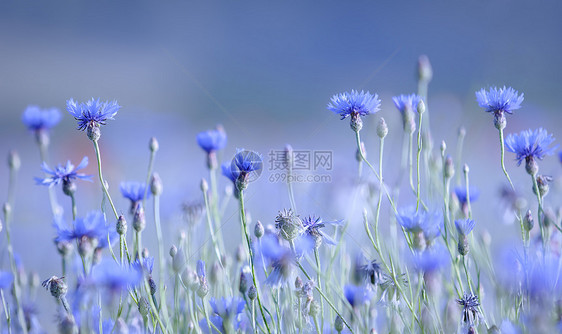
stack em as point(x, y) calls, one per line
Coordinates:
point(426, 226)
point(145, 265)
point(357, 295)
point(530, 146)
point(499, 100)
point(227, 308)
point(460, 192)
point(92, 114)
point(91, 232)
point(37, 119)
point(355, 105)
point(312, 226)
point(432, 259)
point(406, 102)
point(65, 174)
point(464, 226)
point(212, 140)
point(6, 279)
point(114, 278)
point(248, 161)
point(246, 165)
point(470, 304)
point(281, 259)
point(134, 191)
point(369, 272)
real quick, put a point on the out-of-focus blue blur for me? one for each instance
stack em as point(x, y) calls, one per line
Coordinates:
point(265, 70)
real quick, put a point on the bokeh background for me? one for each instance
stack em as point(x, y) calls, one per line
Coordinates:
point(265, 71)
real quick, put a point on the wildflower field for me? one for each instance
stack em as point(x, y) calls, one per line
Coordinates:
point(395, 218)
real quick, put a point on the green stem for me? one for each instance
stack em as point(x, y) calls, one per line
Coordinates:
point(502, 149)
point(250, 252)
point(104, 188)
point(539, 214)
point(318, 277)
point(420, 146)
point(148, 174)
point(6, 311)
point(74, 208)
point(161, 260)
point(467, 193)
point(411, 160)
point(212, 229)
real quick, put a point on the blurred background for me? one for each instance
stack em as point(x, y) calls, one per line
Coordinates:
point(265, 71)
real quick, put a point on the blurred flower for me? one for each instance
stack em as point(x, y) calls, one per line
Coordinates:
point(227, 308)
point(144, 265)
point(134, 191)
point(404, 102)
point(470, 304)
point(354, 103)
point(371, 272)
point(114, 278)
point(90, 232)
point(431, 259)
point(499, 100)
point(461, 194)
point(64, 174)
point(37, 119)
point(464, 226)
point(92, 113)
point(6, 279)
point(312, 226)
point(281, 259)
point(357, 295)
point(193, 212)
point(212, 140)
point(530, 145)
point(425, 225)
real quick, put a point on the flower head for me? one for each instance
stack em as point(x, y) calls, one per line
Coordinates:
point(113, 277)
point(357, 295)
point(354, 103)
point(245, 166)
point(92, 114)
point(90, 232)
point(281, 259)
point(212, 140)
point(530, 145)
point(470, 304)
point(289, 225)
point(431, 259)
point(37, 119)
point(499, 100)
point(227, 308)
point(6, 279)
point(464, 226)
point(369, 272)
point(134, 191)
point(407, 102)
point(312, 226)
point(461, 194)
point(65, 174)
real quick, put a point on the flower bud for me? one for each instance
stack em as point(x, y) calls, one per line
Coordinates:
point(156, 187)
point(463, 246)
point(153, 145)
point(443, 148)
point(144, 253)
point(121, 226)
point(449, 168)
point(173, 251)
point(56, 286)
point(14, 161)
point(465, 169)
point(542, 183)
point(314, 308)
point(356, 122)
point(528, 221)
point(240, 254)
point(338, 324)
point(425, 72)
point(243, 284)
point(252, 293)
point(139, 221)
point(93, 132)
point(68, 187)
point(289, 156)
point(7, 209)
point(421, 107)
point(203, 289)
point(152, 285)
point(259, 230)
point(178, 262)
point(382, 128)
point(204, 185)
point(64, 247)
point(408, 120)
point(144, 306)
point(499, 120)
point(531, 166)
